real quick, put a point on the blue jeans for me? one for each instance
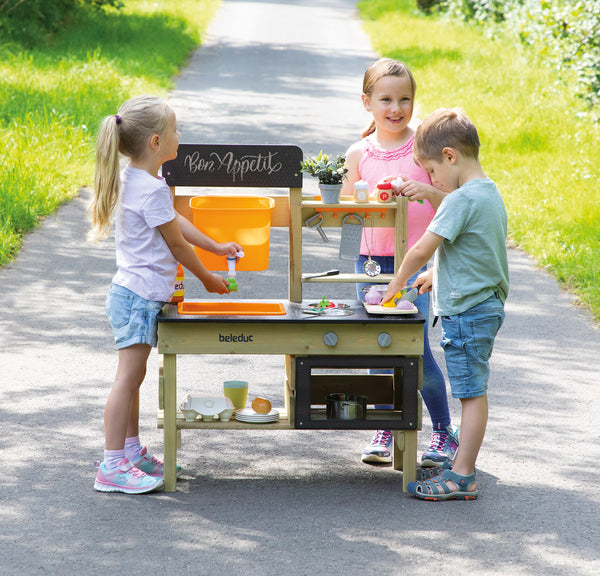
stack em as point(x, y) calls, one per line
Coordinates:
point(434, 387)
point(468, 341)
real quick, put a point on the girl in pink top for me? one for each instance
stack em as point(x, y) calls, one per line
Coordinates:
point(385, 152)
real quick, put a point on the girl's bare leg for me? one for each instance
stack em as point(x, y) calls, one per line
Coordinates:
point(122, 405)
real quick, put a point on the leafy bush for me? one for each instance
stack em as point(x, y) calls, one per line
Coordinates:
point(565, 31)
point(28, 21)
point(570, 34)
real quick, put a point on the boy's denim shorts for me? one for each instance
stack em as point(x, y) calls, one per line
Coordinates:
point(132, 318)
point(468, 340)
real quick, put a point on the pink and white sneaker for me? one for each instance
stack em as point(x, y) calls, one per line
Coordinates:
point(152, 465)
point(125, 478)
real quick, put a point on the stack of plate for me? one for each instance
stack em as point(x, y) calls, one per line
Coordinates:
point(249, 415)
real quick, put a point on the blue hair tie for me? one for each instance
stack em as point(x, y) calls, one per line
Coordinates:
point(117, 118)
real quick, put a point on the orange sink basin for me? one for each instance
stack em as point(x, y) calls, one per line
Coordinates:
point(232, 308)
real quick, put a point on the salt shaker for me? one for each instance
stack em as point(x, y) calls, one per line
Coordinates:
point(361, 192)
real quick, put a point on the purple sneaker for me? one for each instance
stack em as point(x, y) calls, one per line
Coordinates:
point(152, 465)
point(125, 478)
point(442, 447)
point(379, 450)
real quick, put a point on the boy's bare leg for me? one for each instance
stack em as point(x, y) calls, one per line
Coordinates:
point(472, 430)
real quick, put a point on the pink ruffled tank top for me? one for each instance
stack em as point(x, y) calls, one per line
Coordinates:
point(377, 163)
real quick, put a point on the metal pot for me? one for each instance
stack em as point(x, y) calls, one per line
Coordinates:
point(342, 406)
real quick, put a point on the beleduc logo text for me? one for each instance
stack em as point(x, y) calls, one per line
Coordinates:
point(236, 337)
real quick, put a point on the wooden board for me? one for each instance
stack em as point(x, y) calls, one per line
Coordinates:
point(379, 309)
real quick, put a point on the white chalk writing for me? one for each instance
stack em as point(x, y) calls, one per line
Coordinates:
point(237, 168)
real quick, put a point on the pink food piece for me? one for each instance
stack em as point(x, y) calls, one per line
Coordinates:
point(404, 305)
point(373, 297)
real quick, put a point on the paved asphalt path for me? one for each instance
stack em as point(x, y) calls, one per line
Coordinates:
point(273, 503)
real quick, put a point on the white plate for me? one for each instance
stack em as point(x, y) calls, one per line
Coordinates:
point(379, 309)
point(249, 415)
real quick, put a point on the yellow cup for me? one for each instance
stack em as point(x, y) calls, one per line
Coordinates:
point(237, 392)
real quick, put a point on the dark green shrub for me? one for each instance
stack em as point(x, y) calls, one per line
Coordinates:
point(30, 21)
point(428, 6)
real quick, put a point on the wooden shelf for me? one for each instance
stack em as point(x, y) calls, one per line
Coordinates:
point(375, 419)
point(349, 278)
point(233, 424)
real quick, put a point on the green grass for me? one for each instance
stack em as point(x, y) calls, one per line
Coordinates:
point(54, 97)
point(545, 160)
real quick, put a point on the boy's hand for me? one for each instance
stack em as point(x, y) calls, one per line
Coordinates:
point(413, 190)
point(215, 284)
point(424, 281)
point(393, 288)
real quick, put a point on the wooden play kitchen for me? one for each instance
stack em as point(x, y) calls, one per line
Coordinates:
point(325, 354)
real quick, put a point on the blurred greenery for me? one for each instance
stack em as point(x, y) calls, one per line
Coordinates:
point(55, 94)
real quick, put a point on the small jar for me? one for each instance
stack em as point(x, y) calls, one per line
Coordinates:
point(384, 192)
point(361, 192)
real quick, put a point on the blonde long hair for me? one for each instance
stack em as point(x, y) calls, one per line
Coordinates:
point(380, 69)
point(128, 132)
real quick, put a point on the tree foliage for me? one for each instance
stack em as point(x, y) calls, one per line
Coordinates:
point(30, 21)
point(565, 31)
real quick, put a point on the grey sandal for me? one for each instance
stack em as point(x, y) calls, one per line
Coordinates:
point(438, 489)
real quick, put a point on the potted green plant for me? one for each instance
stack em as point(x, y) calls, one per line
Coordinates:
point(330, 172)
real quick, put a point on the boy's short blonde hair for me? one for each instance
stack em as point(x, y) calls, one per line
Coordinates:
point(446, 128)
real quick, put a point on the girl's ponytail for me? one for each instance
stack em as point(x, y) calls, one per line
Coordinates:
point(128, 132)
point(369, 130)
point(107, 179)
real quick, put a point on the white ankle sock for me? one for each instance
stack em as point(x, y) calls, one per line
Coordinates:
point(132, 448)
point(112, 458)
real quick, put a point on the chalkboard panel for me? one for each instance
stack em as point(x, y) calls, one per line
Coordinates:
point(235, 165)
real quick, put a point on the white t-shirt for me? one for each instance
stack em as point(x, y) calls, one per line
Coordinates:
point(145, 263)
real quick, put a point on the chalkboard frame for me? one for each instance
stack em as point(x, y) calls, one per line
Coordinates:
point(235, 165)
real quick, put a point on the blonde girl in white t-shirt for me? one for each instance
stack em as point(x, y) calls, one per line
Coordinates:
point(150, 238)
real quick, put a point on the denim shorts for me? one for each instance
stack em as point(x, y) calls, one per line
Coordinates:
point(468, 340)
point(132, 318)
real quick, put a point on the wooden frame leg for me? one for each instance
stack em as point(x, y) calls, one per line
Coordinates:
point(409, 470)
point(398, 450)
point(405, 455)
point(170, 421)
point(289, 388)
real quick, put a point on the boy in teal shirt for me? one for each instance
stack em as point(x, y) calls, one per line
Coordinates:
point(469, 282)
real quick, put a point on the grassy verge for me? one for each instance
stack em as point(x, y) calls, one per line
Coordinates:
point(54, 96)
point(545, 160)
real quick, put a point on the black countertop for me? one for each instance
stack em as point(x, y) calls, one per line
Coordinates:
point(294, 314)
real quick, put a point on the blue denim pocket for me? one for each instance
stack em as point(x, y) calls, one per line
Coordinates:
point(468, 341)
point(119, 303)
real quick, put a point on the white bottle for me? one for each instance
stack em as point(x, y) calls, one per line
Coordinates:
point(361, 192)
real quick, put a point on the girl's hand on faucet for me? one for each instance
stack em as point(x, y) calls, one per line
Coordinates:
point(229, 249)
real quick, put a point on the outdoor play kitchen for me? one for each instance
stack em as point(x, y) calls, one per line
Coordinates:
point(328, 345)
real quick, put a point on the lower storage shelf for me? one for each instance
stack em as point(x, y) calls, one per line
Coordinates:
point(375, 420)
point(182, 424)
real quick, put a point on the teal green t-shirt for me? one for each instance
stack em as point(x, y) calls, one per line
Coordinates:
point(471, 263)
